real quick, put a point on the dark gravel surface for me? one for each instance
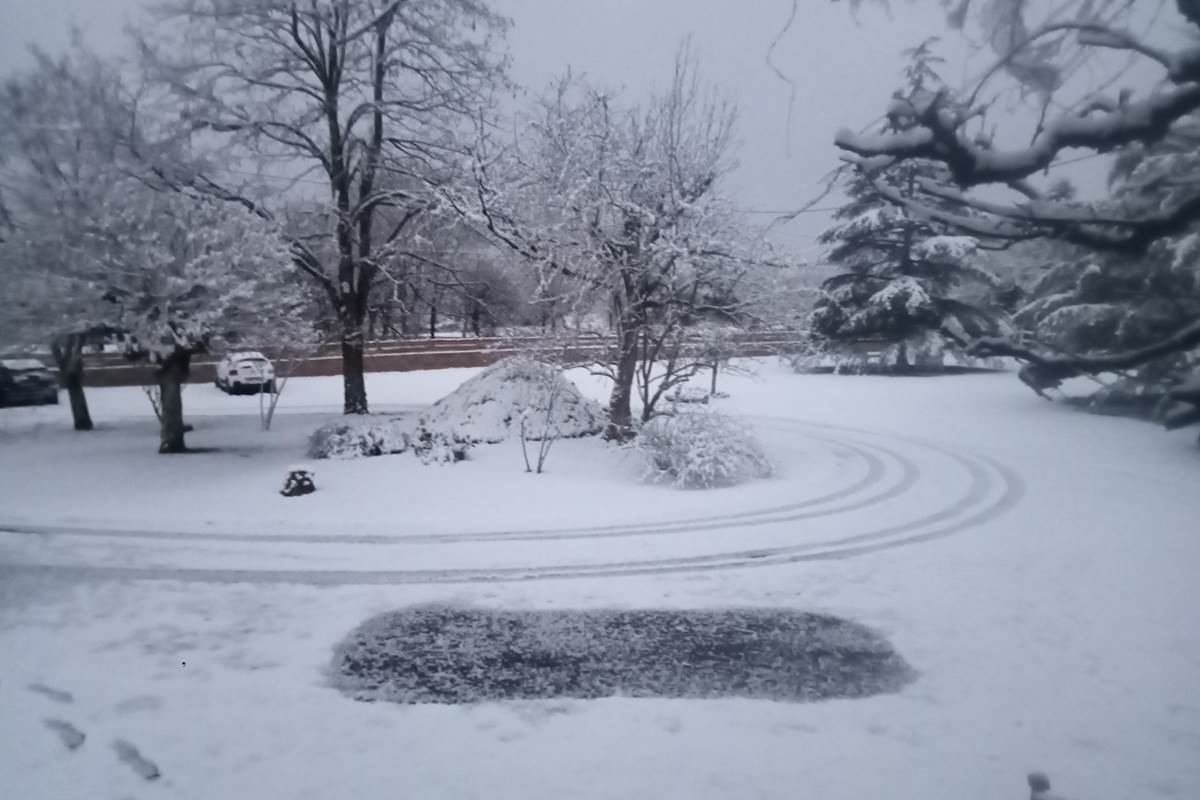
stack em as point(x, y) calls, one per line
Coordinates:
point(445, 654)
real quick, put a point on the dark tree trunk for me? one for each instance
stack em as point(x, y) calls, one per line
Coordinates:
point(620, 414)
point(68, 354)
point(476, 313)
point(354, 385)
point(716, 367)
point(407, 299)
point(171, 375)
point(73, 381)
point(432, 317)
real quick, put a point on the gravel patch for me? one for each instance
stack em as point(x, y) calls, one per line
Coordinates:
point(446, 654)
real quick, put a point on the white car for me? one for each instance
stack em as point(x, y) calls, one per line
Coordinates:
point(245, 372)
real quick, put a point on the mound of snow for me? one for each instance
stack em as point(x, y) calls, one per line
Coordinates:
point(702, 450)
point(361, 436)
point(491, 406)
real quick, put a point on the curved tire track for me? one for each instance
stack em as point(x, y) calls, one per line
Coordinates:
point(876, 472)
point(992, 489)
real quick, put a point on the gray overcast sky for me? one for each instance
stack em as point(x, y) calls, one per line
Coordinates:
point(844, 68)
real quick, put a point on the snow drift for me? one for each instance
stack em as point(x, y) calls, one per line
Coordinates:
point(491, 406)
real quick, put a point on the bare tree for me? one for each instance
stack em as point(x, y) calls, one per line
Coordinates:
point(172, 273)
point(62, 127)
point(362, 97)
point(623, 205)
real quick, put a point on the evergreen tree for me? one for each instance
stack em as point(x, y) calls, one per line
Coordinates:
point(905, 281)
point(1091, 303)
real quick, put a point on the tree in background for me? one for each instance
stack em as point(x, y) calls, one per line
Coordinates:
point(363, 97)
point(174, 272)
point(1047, 55)
point(63, 127)
point(905, 281)
point(622, 206)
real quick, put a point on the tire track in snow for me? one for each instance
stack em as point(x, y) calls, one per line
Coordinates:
point(810, 508)
point(992, 489)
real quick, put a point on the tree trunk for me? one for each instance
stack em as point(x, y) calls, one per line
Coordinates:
point(352, 321)
point(68, 354)
point(620, 414)
point(354, 385)
point(73, 381)
point(476, 313)
point(716, 367)
point(405, 310)
point(171, 375)
point(432, 317)
point(902, 364)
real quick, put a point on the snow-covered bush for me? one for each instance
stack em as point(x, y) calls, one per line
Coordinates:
point(361, 436)
point(439, 447)
point(701, 450)
point(490, 406)
point(691, 395)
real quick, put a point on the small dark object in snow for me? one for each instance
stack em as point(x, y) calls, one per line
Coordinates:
point(1039, 787)
point(299, 481)
point(444, 654)
point(71, 737)
point(136, 761)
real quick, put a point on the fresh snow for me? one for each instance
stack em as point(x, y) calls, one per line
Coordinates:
point(513, 395)
point(1035, 565)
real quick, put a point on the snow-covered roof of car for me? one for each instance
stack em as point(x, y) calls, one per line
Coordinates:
point(22, 363)
point(247, 356)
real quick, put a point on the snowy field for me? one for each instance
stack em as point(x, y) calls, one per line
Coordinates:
point(1035, 565)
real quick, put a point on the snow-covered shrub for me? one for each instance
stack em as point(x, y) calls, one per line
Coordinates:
point(701, 450)
point(439, 447)
point(490, 406)
point(691, 395)
point(361, 436)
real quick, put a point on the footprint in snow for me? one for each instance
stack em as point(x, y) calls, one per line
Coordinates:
point(71, 737)
point(136, 761)
point(57, 695)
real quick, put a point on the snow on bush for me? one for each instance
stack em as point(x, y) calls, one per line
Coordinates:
point(440, 447)
point(490, 406)
point(361, 436)
point(701, 450)
point(691, 395)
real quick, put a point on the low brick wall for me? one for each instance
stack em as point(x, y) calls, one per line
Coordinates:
point(399, 356)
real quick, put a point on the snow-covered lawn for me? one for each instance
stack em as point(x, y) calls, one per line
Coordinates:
point(1036, 566)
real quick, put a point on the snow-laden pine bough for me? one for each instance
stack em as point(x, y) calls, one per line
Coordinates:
point(949, 143)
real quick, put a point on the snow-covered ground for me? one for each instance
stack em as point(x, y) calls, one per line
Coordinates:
point(1036, 566)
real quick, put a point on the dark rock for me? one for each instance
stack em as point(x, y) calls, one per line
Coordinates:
point(299, 482)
